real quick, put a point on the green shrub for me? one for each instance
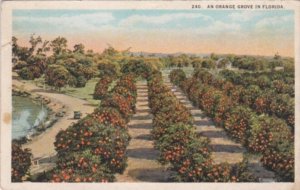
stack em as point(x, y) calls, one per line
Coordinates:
point(30, 72)
point(108, 69)
point(81, 82)
point(138, 67)
point(20, 65)
point(57, 76)
point(26, 74)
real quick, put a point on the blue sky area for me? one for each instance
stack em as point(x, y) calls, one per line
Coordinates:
point(200, 25)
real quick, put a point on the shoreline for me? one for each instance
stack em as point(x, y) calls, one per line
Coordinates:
point(53, 113)
point(42, 145)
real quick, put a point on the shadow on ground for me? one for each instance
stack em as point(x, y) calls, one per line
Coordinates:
point(144, 137)
point(151, 175)
point(143, 153)
point(227, 148)
point(141, 117)
point(202, 123)
point(212, 134)
point(140, 126)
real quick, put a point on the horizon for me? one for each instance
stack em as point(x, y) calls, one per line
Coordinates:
point(257, 33)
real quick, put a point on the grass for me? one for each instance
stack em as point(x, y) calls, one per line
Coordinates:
point(188, 70)
point(85, 93)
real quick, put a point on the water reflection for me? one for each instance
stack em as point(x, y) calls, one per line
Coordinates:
point(26, 115)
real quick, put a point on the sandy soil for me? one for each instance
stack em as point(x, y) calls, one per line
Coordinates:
point(142, 164)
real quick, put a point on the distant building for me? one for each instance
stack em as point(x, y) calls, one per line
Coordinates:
point(279, 68)
point(228, 65)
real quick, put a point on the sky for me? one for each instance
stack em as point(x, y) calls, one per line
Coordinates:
point(164, 31)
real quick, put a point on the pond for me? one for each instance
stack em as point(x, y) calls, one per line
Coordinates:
point(26, 115)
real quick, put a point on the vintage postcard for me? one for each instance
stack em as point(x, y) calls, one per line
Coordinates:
point(150, 94)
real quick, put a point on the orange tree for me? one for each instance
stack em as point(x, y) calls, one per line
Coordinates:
point(269, 133)
point(264, 134)
point(177, 75)
point(102, 87)
point(108, 69)
point(272, 137)
point(21, 162)
point(91, 150)
point(186, 153)
point(128, 82)
point(94, 149)
point(237, 123)
point(283, 107)
point(125, 87)
point(120, 103)
point(268, 93)
point(138, 67)
point(272, 101)
point(282, 163)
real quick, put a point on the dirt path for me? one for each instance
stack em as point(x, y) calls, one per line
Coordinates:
point(142, 164)
point(42, 145)
point(223, 148)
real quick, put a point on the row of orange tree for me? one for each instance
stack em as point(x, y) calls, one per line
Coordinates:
point(108, 74)
point(185, 152)
point(263, 134)
point(269, 93)
point(94, 149)
point(284, 79)
point(102, 87)
point(281, 82)
point(263, 100)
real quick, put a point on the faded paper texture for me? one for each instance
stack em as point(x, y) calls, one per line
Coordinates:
point(171, 94)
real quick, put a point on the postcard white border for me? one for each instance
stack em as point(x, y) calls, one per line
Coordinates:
point(6, 108)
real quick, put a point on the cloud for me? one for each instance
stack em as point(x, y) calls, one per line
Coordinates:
point(219, 26)
point(214, 26)
point(274, 22)
point(161, 19)
point(244, 16)
point(85, 22)
point(167, 32)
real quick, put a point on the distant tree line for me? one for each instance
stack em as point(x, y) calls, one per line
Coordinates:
point(61, 66)
point(243, 62)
